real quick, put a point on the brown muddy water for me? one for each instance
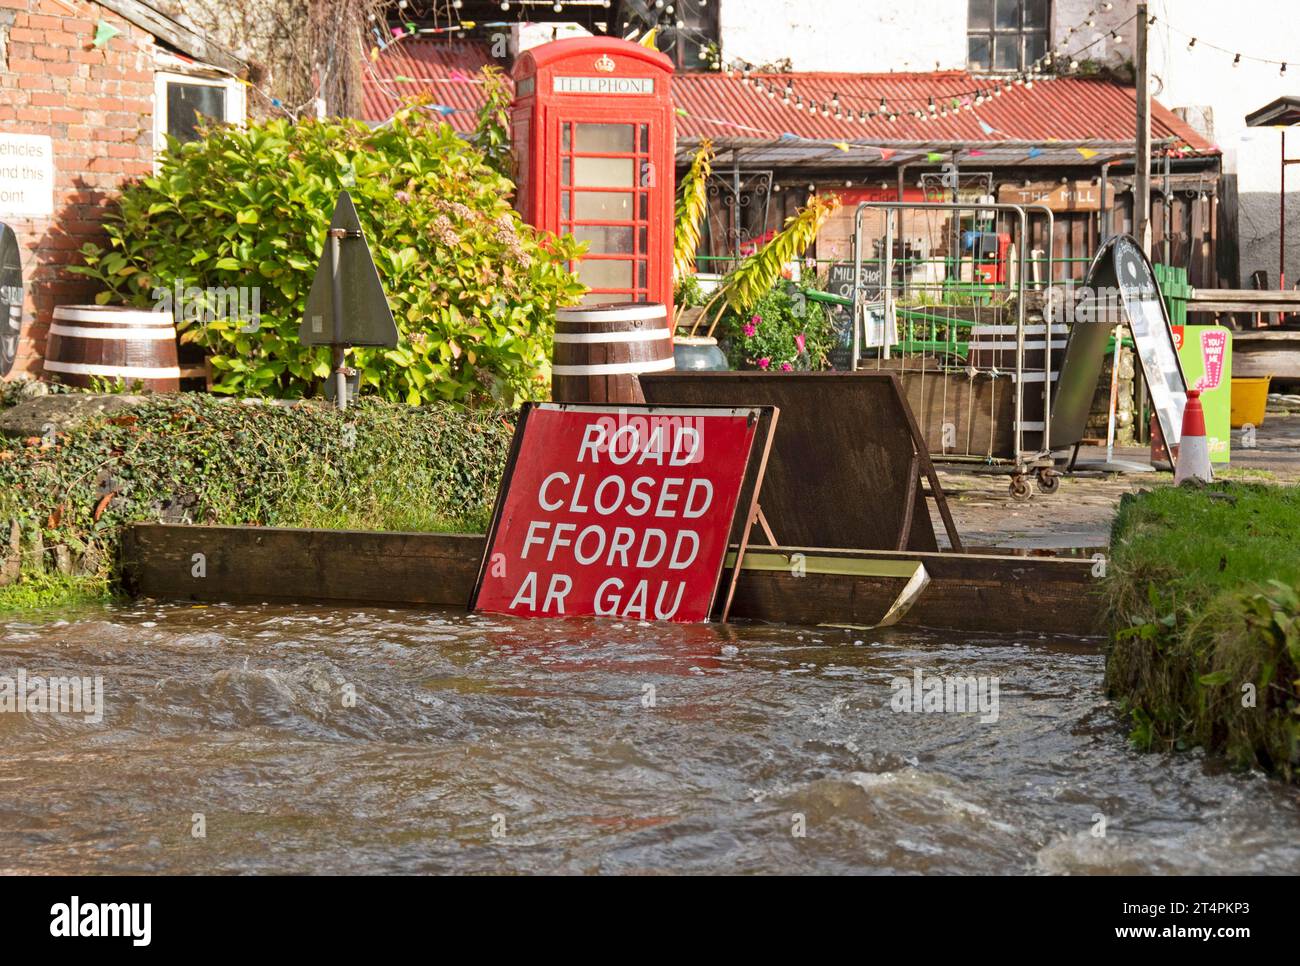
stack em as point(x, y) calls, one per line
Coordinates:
point(480, 744)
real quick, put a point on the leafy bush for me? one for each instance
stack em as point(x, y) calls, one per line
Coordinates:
point(784, 332)
point(196, 458)
point(492, 133)
point(1203, 590)
point(473, 289)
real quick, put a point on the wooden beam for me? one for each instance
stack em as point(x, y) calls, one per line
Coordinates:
point(272, 564)
point(968, 593)
point(1259, 354)
point(166, 29)
point(973, 593)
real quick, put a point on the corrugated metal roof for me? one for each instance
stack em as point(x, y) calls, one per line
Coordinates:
point(1063, 109)
point(444, 69)
point(1056, 114)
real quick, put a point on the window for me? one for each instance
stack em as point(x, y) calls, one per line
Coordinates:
point(1006, 34)
point(605, 201)
point(182, 101)
point(688, 32)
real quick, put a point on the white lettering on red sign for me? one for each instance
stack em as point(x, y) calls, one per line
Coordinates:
point(617, 513)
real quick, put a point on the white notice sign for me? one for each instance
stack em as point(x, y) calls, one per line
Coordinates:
point(26, 175)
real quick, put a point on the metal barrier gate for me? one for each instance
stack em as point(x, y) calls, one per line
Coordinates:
point(979, 340)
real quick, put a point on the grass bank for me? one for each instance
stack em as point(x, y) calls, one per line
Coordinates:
point(42, 591)
point(65, 500)
point(1203, 593)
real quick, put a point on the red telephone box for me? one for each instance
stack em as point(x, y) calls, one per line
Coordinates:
point(594, 149)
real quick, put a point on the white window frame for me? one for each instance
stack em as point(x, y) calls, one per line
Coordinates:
point(236, 104)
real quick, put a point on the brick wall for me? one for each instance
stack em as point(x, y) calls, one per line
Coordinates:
point(97, 106)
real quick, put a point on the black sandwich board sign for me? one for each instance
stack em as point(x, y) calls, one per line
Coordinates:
point(1120, 288)
point(11, 298)
point(840, 282)
point(346, 305)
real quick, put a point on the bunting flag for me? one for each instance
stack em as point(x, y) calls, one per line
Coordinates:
point(104, 32)
point(1087, 152)
point(986, 127)
point(974, 154)
point(842, 145)
point(887, 153)
point(934, 157)
point(1035, 152)
point(649, 39)
point(459, 76)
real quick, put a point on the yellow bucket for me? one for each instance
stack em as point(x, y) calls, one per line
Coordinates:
point(1249, 397)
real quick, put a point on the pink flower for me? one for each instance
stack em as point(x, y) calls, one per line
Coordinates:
point(764, 362)
point(799, 341)
point(755, 319)
point(751, 330)
point(402, 196)
point(786, 367)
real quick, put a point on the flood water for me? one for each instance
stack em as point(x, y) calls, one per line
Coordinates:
point(478, 744)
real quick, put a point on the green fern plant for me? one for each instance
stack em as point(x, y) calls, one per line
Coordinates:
point(692, 205)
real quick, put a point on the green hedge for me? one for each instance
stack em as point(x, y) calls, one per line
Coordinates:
point(193, 458)
point(1204, 593)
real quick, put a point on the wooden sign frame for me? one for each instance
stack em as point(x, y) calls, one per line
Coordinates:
point(794, 515)
point(743, 514)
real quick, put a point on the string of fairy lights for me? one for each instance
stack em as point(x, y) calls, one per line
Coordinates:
point(1196, 43)
point(932, 105)
point(667, 15)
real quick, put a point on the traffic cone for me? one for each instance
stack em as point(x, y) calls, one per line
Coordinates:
point(1193, 450)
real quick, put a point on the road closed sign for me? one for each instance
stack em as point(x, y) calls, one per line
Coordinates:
point(619, 512)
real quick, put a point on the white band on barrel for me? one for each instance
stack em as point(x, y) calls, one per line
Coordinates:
point(125, 372)
point(130, 335)
point(111, 316)
point(634, 335)
point(613, 368)
point(624, 312)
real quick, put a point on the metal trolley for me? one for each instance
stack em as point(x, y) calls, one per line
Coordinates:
point(964, 349)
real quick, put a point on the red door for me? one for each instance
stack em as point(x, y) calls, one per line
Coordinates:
point(610, 194)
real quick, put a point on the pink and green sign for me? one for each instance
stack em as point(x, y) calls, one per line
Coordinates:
point(1205, 353)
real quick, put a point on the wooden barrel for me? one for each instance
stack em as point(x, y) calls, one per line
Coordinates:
point(601, 349)
point(89, 342)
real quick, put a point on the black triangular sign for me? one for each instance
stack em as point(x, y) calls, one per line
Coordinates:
point(367, 319)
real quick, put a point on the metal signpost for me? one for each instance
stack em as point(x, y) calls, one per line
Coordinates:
point(347, 305)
